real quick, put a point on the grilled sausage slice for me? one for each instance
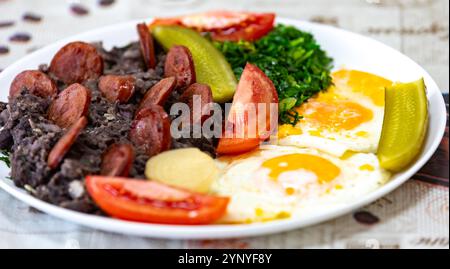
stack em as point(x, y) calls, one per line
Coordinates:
point(77, 62)
point(65, 143)
point(147, 45)
point(200, 94)
point(179, 64)
point(36, 82)
point(117, 160)
point(70, 105)
point(117, 87)
point(159, 93)
point(150, 130)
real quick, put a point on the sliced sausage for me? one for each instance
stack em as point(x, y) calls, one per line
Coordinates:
point(203, 92)
point(159, 93)
point(77, 62)
point(36, 82)
point(70, 105)
point(117, 160)
point(117, 87)
point(65, 143)
point(179, 64)
point(147, 46)
point(150, 130)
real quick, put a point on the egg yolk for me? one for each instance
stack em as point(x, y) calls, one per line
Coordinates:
point(259, 212)
point(366, 167)
point(370, 85)
point(315, 133)
point(362, 134)
point(324, 169)
point(287, 130)
point(335, 114)
point(290, 191)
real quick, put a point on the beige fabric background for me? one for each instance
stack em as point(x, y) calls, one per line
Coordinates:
point(416, 215)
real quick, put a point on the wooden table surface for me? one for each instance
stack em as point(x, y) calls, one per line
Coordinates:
point(416, 215)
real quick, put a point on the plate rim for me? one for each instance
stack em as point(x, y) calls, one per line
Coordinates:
point(221, 231)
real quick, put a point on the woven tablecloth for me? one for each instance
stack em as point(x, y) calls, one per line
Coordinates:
point(416, 215)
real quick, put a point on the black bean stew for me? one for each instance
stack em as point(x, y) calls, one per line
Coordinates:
point(52, 147)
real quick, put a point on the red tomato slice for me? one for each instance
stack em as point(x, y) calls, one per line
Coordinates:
point(149, 201)
point(257, 90)
point(255, 27)
point(214, 20)
point(225, 25)
point(167, 21)
point(231, 146)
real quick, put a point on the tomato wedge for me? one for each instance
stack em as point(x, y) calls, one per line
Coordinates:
point(225, 25)
point(255, 90)
point(149, 201)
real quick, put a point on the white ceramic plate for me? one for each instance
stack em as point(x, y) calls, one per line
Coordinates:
point(348, 50)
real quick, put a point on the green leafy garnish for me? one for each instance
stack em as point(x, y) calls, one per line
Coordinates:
point(291, 58)
point(4, 157)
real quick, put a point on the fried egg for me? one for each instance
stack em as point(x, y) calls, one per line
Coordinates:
point(350, 113)
point(277, 182)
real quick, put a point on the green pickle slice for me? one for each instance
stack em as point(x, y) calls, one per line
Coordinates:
point(211, 67)
point(405, 125)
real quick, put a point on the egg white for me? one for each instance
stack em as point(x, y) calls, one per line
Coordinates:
point(255, 196)
point(364, 137)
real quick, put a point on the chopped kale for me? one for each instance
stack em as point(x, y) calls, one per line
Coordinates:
point(4, 157)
